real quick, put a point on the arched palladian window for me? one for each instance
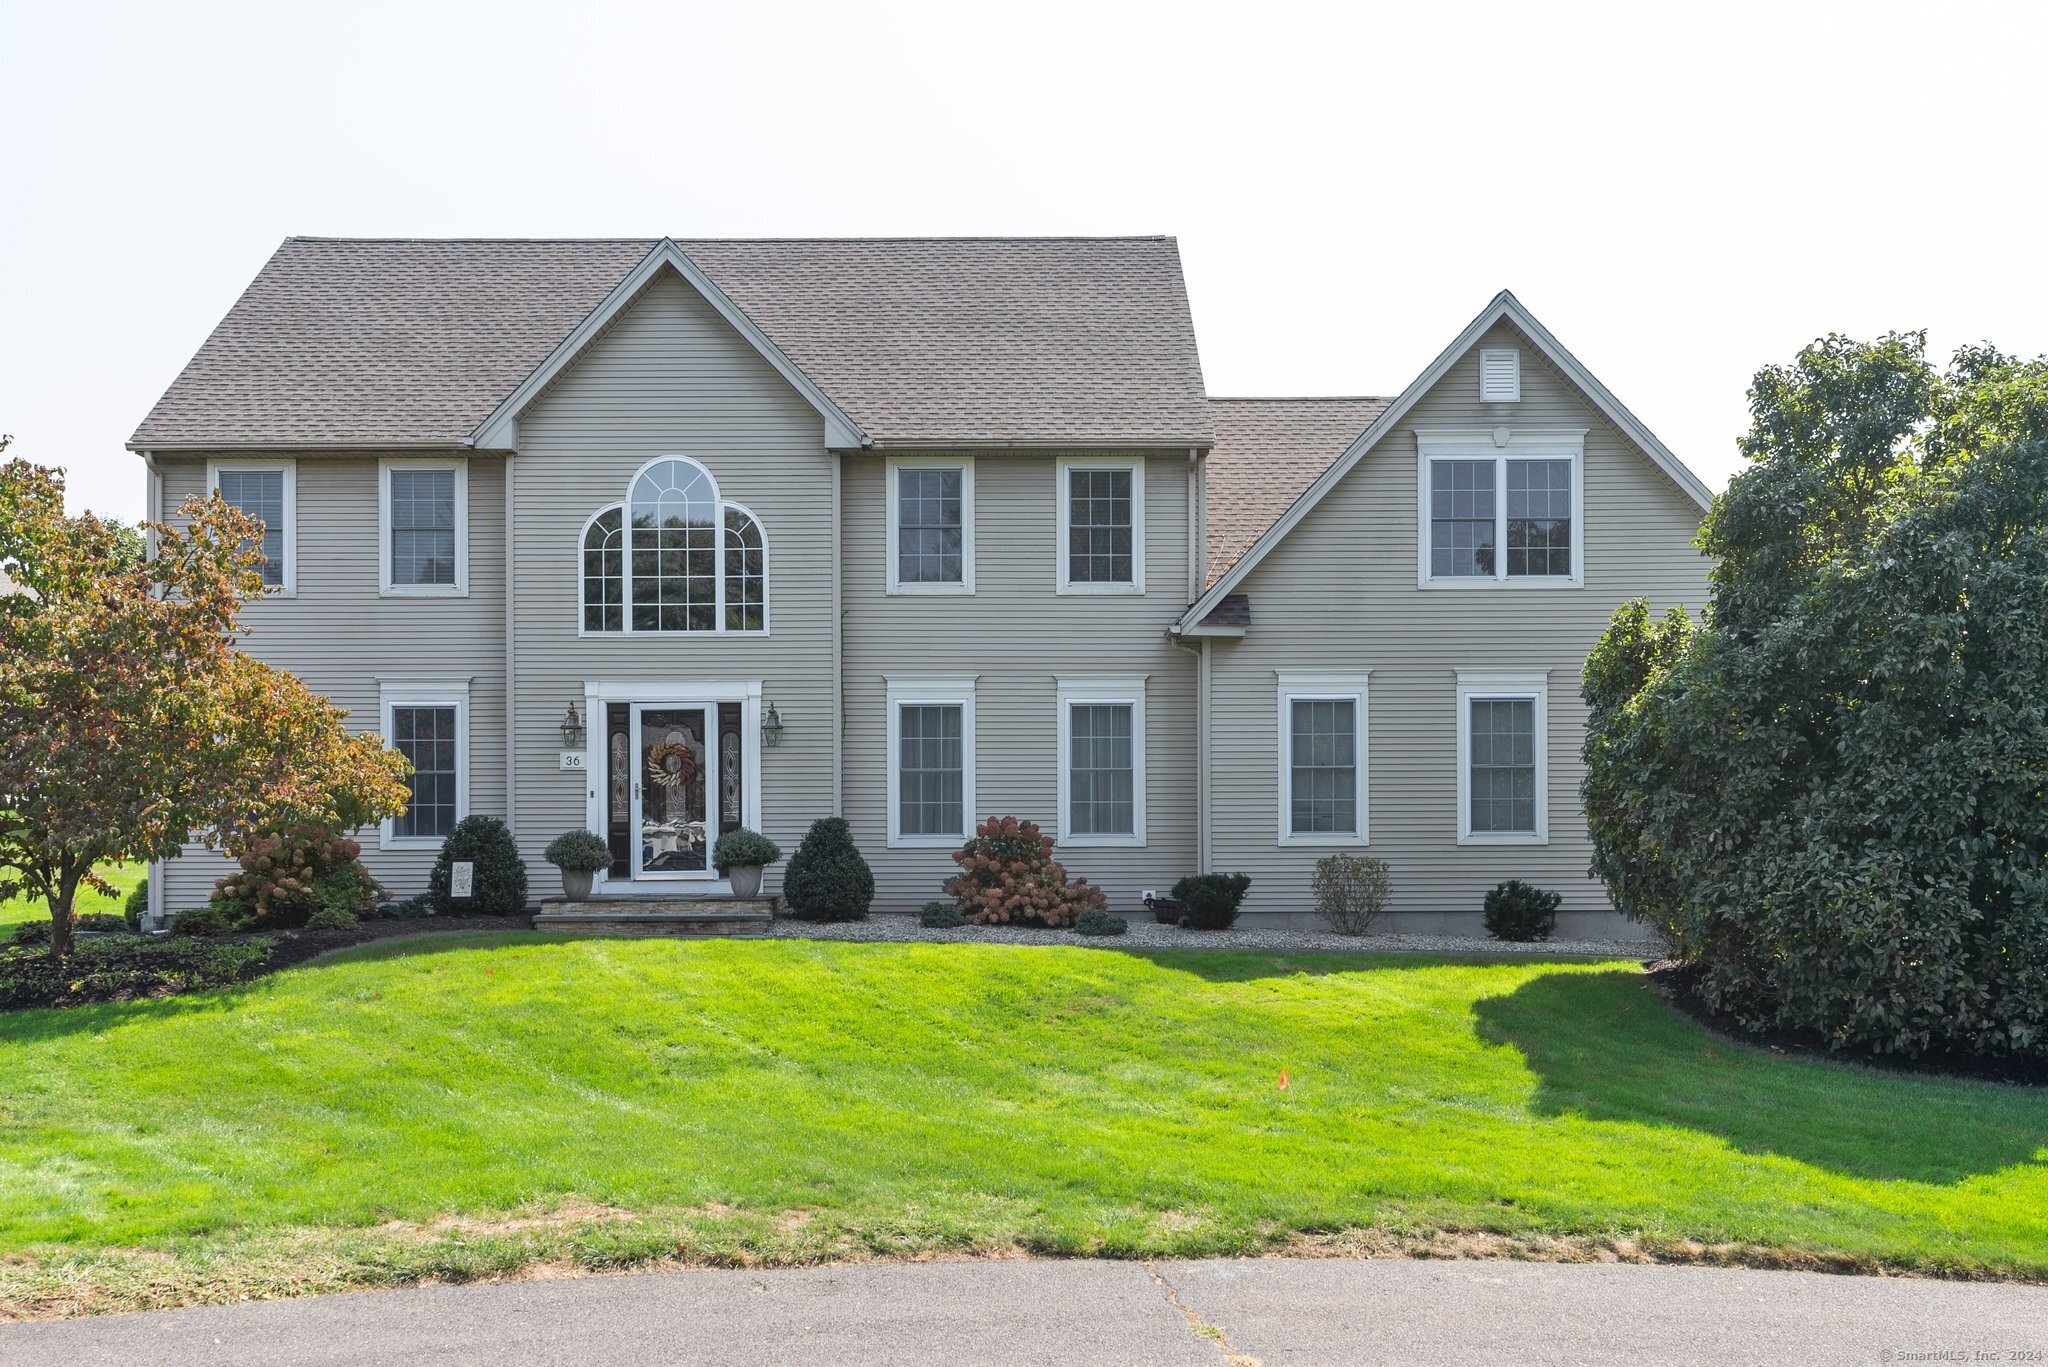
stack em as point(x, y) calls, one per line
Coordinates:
point(674, 557)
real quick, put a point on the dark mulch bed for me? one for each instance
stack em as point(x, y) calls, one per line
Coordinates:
point(1676, 983)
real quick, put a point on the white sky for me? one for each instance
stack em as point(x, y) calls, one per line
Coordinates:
point(1682, 193)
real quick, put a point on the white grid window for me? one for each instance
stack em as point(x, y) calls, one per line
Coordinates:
point(423, 527)
point(427, 721)
point(1501, 507)
point(267, 492)
point(674, 560)
point(604, 571)
point(1322, 759)
point(1101, 731)
point(931, 762)
point(1503, 759)
point(930, 524)
point(1101, 525)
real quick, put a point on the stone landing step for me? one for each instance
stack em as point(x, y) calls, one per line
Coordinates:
point(658, 916)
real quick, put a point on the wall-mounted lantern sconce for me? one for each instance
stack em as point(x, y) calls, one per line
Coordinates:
point(572, 729)
point(771, 728)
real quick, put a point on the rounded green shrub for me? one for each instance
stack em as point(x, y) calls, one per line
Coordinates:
point(221, 916)
point(498, 887)
point(578, 852)
point(827, 878)
point(1095, 921)
point(137, 905)
point(1517, 911)
point(743, 849)
point(941, 916)
point(1212, 899)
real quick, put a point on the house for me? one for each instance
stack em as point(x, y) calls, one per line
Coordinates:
point(666, 538)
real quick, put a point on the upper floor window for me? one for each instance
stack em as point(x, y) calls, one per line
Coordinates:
point(424, 527)
point(268, 492)
point(931, 524)
point(1501, 507)
point(674, 557)
point(1101, 526)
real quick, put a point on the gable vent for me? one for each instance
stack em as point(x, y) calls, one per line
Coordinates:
point(1500, 376)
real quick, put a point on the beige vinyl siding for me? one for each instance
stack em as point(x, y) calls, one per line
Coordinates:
point(671, 377)
point(1018, 636)
point(1340, 595)
point(338, 634)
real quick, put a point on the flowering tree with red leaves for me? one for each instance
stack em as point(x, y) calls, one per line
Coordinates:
point(1008, 876)
point(129, 721)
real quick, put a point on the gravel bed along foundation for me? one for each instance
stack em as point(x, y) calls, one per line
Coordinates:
point(1147, 934)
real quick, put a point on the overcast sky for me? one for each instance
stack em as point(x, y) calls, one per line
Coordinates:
point(1682, 193)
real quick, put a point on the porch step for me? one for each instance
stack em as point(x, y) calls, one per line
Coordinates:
point(658, 915)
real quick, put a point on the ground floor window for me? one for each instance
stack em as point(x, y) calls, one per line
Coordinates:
point(1322, 759)
point(931, 762)
point(1503, 759)
point(427, 721)
point(1101, 728)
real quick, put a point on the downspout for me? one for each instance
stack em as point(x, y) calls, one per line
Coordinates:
point(153, 511)
point(511, 654)
point(1197, 532)
point(838, 642)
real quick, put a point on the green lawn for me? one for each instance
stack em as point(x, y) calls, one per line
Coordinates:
point(459, 1108)
point(122, 876)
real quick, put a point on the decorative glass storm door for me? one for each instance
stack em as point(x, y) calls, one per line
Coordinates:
point(673, 763)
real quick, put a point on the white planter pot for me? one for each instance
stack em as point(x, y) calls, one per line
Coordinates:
point(746, 880)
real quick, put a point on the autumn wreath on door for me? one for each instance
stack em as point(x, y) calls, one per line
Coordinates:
point(672, 765)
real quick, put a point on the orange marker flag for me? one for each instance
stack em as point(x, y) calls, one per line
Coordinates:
point(1283, 1079)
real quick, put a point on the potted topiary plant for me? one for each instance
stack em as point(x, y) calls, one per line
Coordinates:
point(579, 855)
point(740, 856)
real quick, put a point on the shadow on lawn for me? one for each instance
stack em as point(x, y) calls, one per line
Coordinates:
point(1606, 1047)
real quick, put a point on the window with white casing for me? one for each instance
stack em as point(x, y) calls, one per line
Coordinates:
point(267, 491)
point(676, 556)
point(423, 527)
point(1501, 507)
point(930, 732)
point(930, 524)
point(1101, 729)
point(1503, 759)
point(1101, 525)
point(1323, 759)
point(427, 721)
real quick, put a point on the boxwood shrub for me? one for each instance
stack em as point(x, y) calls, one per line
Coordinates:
point(499, 885)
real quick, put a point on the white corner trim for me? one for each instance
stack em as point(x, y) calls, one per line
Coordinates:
point(387, 589)
point(290, 467)
point(894, 587)
point(956, 690)
point(500, 431)
point(1064, 502)
point(1504, 305)
point(1499, 445)
point(1484, 684)
point(1351, 686)
point(1122, 689)
point(425, 691)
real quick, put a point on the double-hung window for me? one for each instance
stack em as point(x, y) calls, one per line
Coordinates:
point(1503, 759)
point(427, 721)
point(1323, 783)
point(931, 762)
point(1101, 729)
point(1101, 525)
point(268, 492)
point(423, 527)
point(1501, 507)
point(931, 524)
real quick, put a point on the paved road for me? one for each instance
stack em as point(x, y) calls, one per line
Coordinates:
point(1205, 1314)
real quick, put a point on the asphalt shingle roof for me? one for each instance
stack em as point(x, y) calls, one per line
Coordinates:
point(353, 342)
point(1267, 453)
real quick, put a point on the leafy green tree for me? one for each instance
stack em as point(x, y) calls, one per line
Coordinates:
point(1832, 792)
point(129, 722)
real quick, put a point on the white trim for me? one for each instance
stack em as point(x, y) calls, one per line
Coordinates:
point(1064, 500)
point(1504, 306)
point(965, 465)
point(1126, 689)
point(426, 692)
point(500, 431)
point(625, 561)
point(1500, 445)
point(667, 693)
point(942, 691)
point(387, 589)
point(290, 467)
point(1353, 688)
point(1485, 684)
point(767, 579)
point(1486, 358)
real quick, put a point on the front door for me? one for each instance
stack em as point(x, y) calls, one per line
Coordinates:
point(675, 763)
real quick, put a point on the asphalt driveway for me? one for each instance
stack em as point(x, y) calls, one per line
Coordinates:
point(1204, 1314)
